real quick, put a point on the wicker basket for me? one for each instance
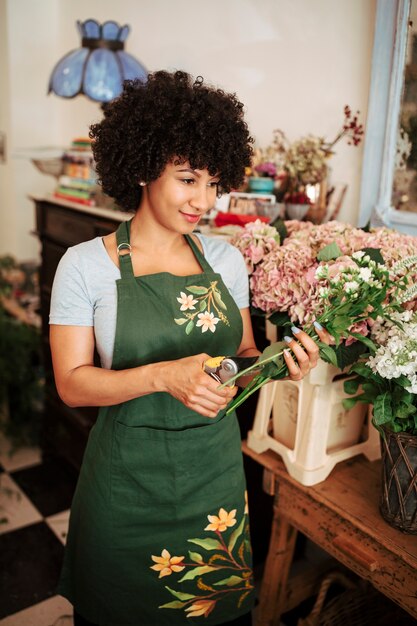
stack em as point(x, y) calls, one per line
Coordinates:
point(398, 504)
point(358, 605)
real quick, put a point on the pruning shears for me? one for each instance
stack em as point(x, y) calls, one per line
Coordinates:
point(222, 368)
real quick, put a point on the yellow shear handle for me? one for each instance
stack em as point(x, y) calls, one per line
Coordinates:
point(214, 362)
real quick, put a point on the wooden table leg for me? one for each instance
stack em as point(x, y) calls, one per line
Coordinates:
point(277, 567)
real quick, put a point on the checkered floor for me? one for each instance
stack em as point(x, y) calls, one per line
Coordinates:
point(35, 497)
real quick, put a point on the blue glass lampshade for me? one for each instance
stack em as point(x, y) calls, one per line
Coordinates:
point(99, 67)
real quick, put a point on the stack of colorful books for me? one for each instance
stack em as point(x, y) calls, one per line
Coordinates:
point(78, 183)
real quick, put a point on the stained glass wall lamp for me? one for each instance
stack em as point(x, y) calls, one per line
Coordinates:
point(99, 67)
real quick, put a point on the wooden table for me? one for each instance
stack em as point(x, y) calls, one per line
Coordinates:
point(341, 516)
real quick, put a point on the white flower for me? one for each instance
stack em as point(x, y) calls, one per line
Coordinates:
point(207, 321)
point(351, 286)
point(358, 255)
point(365, 273)
point(187, 302)
point(321, 272)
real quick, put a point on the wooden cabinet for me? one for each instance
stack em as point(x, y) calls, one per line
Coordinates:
point(60, 224)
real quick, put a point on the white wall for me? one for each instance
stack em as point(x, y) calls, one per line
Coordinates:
point(294, 63)
point(26, 114)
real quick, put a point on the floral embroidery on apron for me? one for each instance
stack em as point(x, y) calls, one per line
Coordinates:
point(204, 306)
point(230, 573)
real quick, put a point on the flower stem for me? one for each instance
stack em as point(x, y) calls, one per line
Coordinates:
point(249, 369)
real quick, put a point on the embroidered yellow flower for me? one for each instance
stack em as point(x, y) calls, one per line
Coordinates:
point(166, 564)
point(207, 321)
point(201, 607)
point(222, 521)
point(187, 302)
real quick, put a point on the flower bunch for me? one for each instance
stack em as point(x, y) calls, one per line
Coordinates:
point(297, 197)
point(267, 161)
point(266, 169)
point(388, 378)
point(304, 161)
point(285, 280)
point(255, 241)
point(318, 275)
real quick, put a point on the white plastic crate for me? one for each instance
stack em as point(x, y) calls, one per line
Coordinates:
point(306, 424)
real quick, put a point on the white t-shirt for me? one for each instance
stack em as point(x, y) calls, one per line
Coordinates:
point(84, 291)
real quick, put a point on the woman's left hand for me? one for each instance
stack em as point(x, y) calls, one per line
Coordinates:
point(305, 350)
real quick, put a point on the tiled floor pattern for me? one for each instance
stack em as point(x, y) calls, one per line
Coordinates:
point(35, 497)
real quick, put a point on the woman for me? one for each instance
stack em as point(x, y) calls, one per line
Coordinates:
point(159, 533)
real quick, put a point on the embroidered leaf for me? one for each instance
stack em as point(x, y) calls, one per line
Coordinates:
point(218, 557)
point(189, 327)
point(232, 581)
point(235, 535)
point(198, 571)
point(175, 604)
point(179, 595)
point(242, 598)
point(247, 574)
point(203, 586)
point(203, 305)
point(199, 291)
point(241, 551)
point(194, 556)
point(207, 544)
point(219, 300)
point(180, 320)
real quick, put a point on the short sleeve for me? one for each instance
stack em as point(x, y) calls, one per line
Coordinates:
point(240, 289)
point(71, 303)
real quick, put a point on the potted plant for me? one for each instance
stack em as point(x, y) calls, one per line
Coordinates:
point(297, 205)
point(21, 371)
point(388, 383)
point(262, 178)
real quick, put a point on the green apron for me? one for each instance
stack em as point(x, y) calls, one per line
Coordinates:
point(159, 530)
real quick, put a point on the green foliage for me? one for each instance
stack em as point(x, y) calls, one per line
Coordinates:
point(347, 355)
point(374, 254)
point(394, 407)
point(279, 224)
point(21, 381)
point(280, 318)
point(329, 252)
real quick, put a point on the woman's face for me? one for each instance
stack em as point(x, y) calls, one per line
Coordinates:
point(180, 197)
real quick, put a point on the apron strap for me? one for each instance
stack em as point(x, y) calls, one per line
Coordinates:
point(198, 254)
point(123, 245)
point(125, 257)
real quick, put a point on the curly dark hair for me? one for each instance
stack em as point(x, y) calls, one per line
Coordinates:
point(171, 116)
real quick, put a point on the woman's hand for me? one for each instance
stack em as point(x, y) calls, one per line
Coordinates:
point(305, 351)
point(186, 381)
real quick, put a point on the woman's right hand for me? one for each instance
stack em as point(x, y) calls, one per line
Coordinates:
point(186, 381)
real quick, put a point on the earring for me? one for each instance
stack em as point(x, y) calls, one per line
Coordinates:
point(142, 183)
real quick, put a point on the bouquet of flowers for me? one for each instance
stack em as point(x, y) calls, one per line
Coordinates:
point(388, 378)
point(344, 278)
point(304, 161)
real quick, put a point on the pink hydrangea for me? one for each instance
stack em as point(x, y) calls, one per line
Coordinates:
point(279, 282)
point(255, 241)
point(284, 280)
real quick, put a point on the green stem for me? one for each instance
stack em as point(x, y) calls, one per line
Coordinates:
point(249, 369)
point(245, 393)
